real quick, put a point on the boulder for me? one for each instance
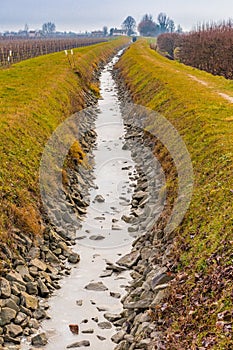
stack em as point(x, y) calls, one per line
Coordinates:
point(130, 259)
point(5, 288)
point(96, 286)
point(40, 339)
point(39, 264)
point(6, 315)
point(79, 344)
point(29, 301)
point(13, 330)
point(74, 258)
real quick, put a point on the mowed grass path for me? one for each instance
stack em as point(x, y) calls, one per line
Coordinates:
point(203, 250)
point(35, 97)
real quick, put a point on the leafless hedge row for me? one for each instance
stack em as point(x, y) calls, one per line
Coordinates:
point(209, 48)
point(12, 51)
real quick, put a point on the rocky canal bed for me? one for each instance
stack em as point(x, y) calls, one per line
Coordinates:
point(108, 300)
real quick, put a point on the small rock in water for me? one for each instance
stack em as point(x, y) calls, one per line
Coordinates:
point(106, 273)
point(96, 286)
point(80, 238)
point(74, 258)
point(79, 302)
point(88, 331)
point(101, 308)
point(115, 295)
point(79, 344)
point(74, 328)
point(112, 317)
point(85, 321)
point(39, 339)
point(115, 220)
point(97, 238)
point(95, 319)
point(99, 199)
point(101, 338)
point(116, 227)
point(105, 325)
point(92, 302)
point(100, 218)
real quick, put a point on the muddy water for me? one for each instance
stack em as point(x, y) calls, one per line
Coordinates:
point(104, 221)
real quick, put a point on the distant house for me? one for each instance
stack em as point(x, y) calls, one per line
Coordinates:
point(32, 34)
point(117, 32)
point(97, 34)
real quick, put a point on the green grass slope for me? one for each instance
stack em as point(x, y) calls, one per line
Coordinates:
point(35, 97)
point(198, 312)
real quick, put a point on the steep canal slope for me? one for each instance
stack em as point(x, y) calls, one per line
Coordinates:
point(198, 311)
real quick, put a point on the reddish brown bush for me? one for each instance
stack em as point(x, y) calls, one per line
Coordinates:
point(168, 42)
point(209, 48)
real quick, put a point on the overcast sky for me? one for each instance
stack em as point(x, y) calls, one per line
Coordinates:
point(81, 15)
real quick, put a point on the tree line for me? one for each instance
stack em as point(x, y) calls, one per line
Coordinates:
point(148, 27)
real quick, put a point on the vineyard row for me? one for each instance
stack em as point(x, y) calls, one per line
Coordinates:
point(12, 51)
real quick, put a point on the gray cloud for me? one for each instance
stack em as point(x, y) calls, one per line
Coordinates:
point(92, 14)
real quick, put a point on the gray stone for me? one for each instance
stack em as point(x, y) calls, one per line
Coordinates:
point(104, 325)
point(39, 339)
point(115, 295)
point(116, 227)
point(160, 278)
point(99, 199)
point(51, 258)
point(130, 259)
point(33, 323)
point(24, 272)
point(79, 344)
point(33, 271)
point(101, 338)
point(141, 304)
point(114, 268)
point(5, 288)
point(97, 238)
point(161, 286)
point(15, 277)
point(106, 273)
point(158, 298)
point(39, 264)
point(116, 338)
point(17, 288)
point(79, 302)
point(112, 317)
point(74, 258)
point(124, 345)
point(32, 288)
point(88, 331)
point(11, 304)
point(13, 330)
point(7, 315)
point(96, 286)
point(29, 301)
point(43, 290)
point(20, 318)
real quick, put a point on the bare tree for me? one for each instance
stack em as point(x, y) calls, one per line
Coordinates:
point(179, 29)
point(48, 28)
point(163, 21)
point(105, 30)
point(147, 27)
point(171, 26)
point(129, 25)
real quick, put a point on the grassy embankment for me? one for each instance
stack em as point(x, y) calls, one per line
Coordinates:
point(35, 97)
point(199, 309)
